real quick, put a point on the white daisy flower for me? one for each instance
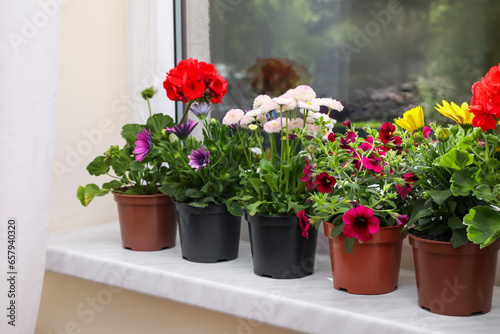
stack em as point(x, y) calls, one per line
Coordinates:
point(254, 113)
point(260, 100)
point(308, 105)
point(330, 103)
point(303, 93)
point(253, 127)
point(233, 116)
point(256, 150)
point(246, 120)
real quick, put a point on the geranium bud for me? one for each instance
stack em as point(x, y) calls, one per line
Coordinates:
point(443, 135)
point(148, 93)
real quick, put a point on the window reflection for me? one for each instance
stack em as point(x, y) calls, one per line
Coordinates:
point(379, 57)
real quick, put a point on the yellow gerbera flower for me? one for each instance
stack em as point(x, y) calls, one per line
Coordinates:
point(412, 120)
point(461, 115)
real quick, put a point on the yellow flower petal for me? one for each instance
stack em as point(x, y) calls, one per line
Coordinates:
point(412, 120)
point(461, 114)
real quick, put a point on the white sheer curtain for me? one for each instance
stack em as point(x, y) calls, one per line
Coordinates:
point(29, 46)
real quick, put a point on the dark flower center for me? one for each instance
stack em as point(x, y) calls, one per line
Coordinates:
point(361, 222)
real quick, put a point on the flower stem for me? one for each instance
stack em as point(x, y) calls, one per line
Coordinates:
point(185, 111)
point(149, 106)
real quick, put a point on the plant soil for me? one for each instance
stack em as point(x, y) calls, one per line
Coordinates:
point(423, 235)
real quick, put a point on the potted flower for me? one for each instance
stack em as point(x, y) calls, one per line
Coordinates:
point(203, 175)
point(272, 193)
point(147, 217)
point(452, 192)
point(357, 181)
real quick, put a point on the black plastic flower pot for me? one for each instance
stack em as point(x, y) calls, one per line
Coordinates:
point(209, 234)
point(278, 248)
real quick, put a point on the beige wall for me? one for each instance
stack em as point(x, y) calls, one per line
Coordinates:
point(92, 80)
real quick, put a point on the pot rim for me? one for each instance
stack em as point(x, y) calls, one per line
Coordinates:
point(447, 245)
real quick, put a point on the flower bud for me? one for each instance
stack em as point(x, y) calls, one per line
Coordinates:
point(443, 135)
point(148, 93)
point(213, 148)
point(454, 130)
point(418, 137)
point(213, 121)
point(172, 137)
point(177, 155)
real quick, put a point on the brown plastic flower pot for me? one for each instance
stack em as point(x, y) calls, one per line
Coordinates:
point(147, 222)
point(372, 267)
point(454, 281)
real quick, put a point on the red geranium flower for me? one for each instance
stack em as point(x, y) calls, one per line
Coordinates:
point(325, 182)
point(194, 80)
point(360, 223)
point(304, 223)
point(485, 102)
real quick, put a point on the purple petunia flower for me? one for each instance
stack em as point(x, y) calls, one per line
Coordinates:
point(199, 158)
point(201, 110)
point(182, 130)
point(143, 145)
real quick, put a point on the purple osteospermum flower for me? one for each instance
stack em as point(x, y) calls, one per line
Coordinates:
point(199, 158)
point(143, 145)
point(201, 110)
point(182, 130)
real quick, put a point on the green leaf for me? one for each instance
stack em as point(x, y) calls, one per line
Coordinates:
point(459, 237)
point(87, 194)
point(420, 214)
point(234, 208)
point(98, 166)
point(486, 193)
point(129, 133)
point(336, 230)
point(483, 225)
point(464, 181)
point(439, 196)
point(136, 166)
point(455, 223)
point(349, 243)
point(158, 122)
point(456, 159)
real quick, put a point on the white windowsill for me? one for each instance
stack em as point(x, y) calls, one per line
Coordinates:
point(308, 305)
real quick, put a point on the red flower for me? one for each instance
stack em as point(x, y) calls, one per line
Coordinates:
point(485, 102)
point(308, 176)
point(360, 223)
point(372, 163)
point(325, 182)
point(350, 137)
point(386, 132)
point(347, 124)
point(332, 137)
point(193, 80)
point(304, 223)
point(405, 189)
point(367, 144)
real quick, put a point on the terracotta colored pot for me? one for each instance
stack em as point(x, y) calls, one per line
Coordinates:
point(209, 234)
point(147, 222)
point(278, 248)
point(454, 281)
point(372, 267)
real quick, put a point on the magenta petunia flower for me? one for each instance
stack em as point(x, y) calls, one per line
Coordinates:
point(426, 131)
point(325, 182)
point(304, 223)
point(143, 145)
point(373, 163)
point(359, 222)
point(199, 158)
point(405, 189)
point(386, 132)
point(401, 219)
point(182, 130)
point(308, 176)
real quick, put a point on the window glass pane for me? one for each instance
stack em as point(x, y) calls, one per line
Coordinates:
point(379, 57)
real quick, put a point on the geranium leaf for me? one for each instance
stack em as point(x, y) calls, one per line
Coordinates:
point(483, 225)
point(158, 122)
point(464, 181)
point(439, 196)
point(129, 133)
point(98, 167)
point(459, 237)
point(456, 159)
